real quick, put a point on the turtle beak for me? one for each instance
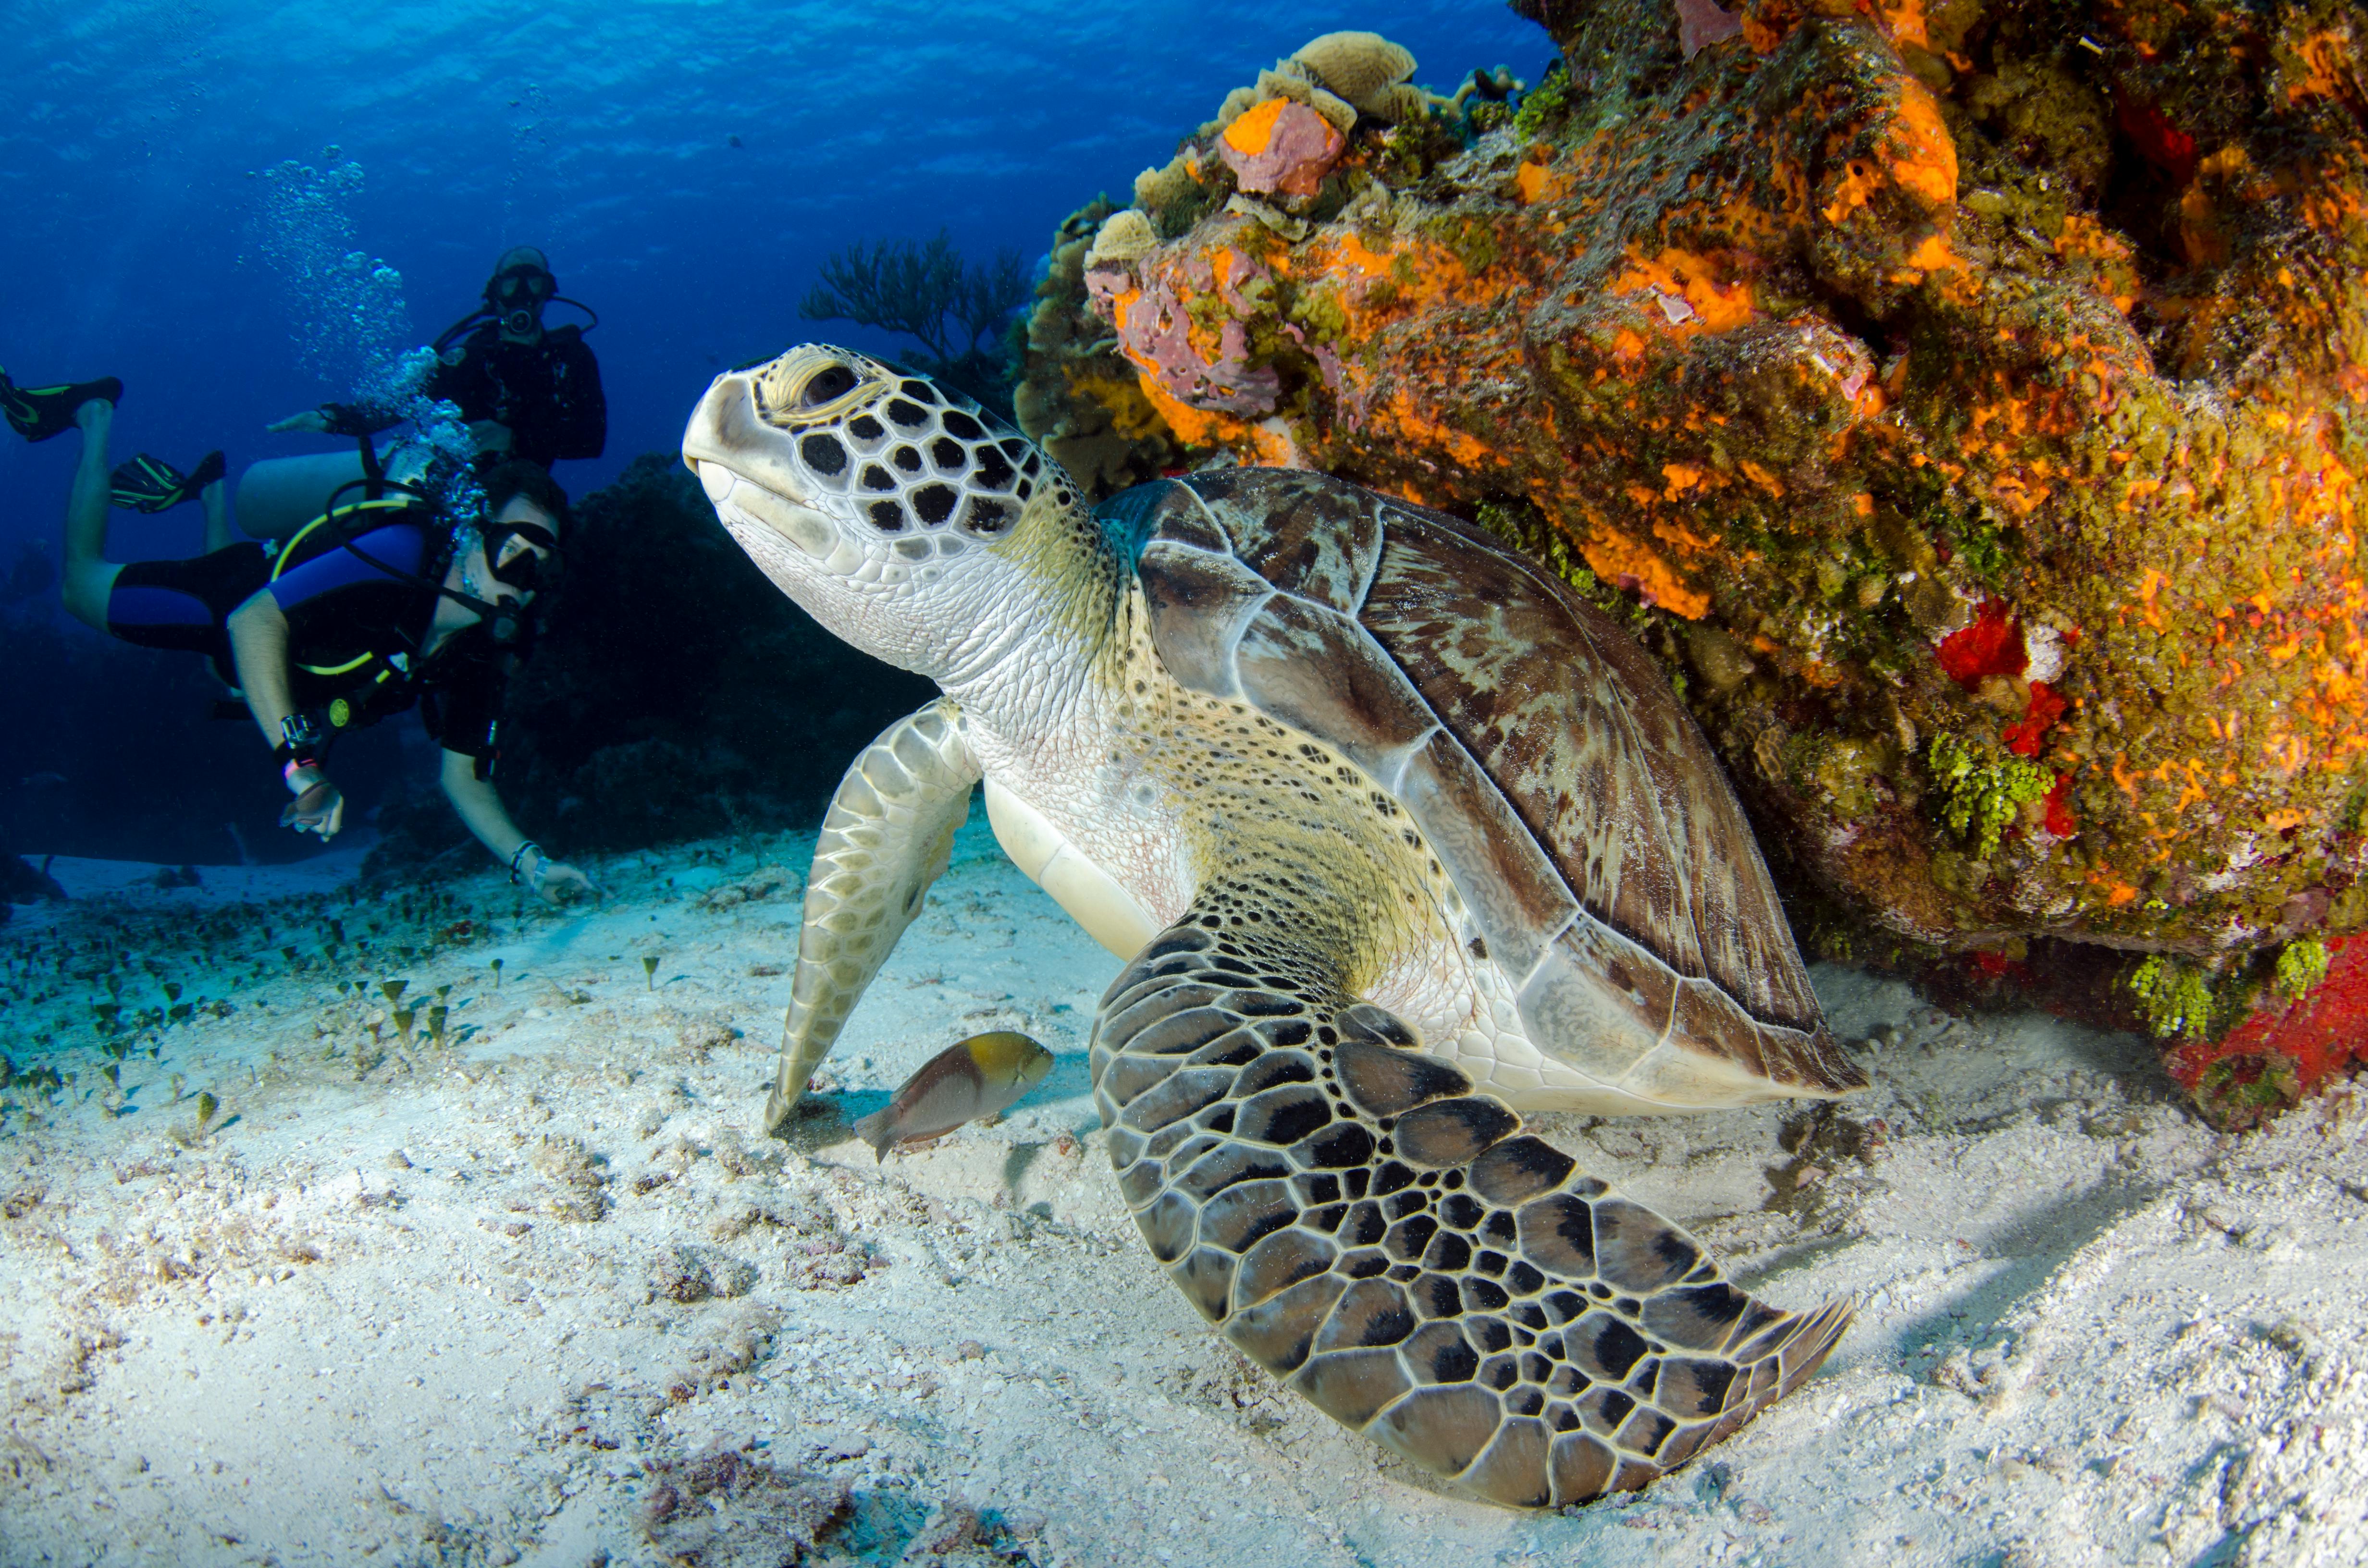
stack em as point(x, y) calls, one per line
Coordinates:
point(742, 463)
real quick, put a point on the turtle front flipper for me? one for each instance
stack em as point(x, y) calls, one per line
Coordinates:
point(888, 835)
point(1361, 1225)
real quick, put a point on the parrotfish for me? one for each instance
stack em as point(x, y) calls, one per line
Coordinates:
point(970, 1079)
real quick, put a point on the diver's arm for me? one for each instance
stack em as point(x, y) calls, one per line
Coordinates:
point(258, 646)
point(337, 419)
point(481, 811)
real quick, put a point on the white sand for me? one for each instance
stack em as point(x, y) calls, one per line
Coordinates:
point(429, 1314)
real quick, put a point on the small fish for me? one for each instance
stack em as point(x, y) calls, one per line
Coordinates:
point(973, 1078)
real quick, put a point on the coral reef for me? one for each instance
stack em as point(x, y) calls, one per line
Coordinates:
point(957, 310)
point(673, 693)
point(1969, 403)
point(2286, 1045)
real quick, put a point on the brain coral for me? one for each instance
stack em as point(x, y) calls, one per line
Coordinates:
point(1123, 236)
point(1969, 401)
point(1360, 67)
point(1293, 83)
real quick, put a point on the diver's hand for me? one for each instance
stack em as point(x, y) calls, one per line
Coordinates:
point(312, 422)
point(317, 808)
point(556, 882)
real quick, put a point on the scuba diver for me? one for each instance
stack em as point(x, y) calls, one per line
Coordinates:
point(525, 390)
point(376, 604)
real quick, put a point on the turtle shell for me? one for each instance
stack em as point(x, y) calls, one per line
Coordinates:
point(1569, 796)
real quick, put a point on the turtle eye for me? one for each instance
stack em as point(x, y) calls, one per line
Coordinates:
point(830, 384)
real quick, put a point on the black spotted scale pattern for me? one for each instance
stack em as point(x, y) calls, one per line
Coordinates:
point(1354, 1218)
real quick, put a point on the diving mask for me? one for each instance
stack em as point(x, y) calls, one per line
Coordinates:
point(521, 569)
point(517, 295)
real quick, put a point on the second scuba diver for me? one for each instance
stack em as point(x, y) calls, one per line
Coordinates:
point(524, 389)
point(375, 605)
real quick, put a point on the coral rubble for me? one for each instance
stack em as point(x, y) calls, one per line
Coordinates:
point(1968, 401)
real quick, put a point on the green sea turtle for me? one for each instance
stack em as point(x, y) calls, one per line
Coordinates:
point(1393, 834)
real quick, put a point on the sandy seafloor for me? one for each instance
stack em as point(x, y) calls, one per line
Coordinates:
point(515, 1297)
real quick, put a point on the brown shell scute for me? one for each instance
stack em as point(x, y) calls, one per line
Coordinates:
point(1575, 806)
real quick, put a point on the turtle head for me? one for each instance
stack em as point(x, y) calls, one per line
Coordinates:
point(883, 504)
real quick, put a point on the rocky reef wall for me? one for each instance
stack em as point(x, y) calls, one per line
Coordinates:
point(1968, 401)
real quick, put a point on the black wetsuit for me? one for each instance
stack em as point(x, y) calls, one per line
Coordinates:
point(547, 393)
point(354, 630)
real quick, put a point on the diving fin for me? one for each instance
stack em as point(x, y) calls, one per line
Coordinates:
point(151, 484)
point(39, 412)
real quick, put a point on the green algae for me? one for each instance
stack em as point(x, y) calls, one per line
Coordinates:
point(2301, 966)
point(1466, 237)
point(1546, 105)
point(2174, 997)
point(1981, 794)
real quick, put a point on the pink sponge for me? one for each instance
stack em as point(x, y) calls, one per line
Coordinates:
point(1281, 147)
point(1156, 333)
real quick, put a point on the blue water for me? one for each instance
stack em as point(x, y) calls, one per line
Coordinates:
point(243, 207)
point(147, 235)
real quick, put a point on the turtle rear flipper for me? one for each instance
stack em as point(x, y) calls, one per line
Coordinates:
point(1360, 1222)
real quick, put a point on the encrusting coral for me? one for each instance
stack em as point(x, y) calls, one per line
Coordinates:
point(1970, 404)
